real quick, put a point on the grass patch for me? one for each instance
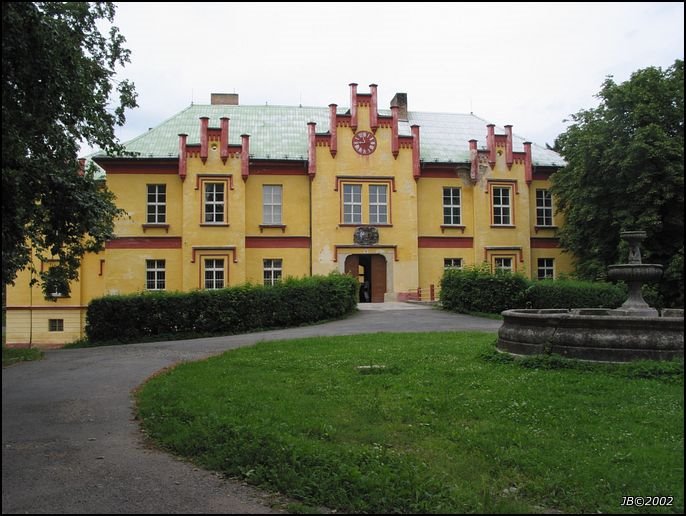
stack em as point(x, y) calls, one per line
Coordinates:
point(425, 423)
point(12, 356)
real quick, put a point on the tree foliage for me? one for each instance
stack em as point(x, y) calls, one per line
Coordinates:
point(625, 171)
point(58, 90)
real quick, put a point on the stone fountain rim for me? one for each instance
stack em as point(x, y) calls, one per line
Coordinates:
point(566, 313)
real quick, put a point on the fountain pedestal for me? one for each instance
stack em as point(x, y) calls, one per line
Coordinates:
point(635, 274)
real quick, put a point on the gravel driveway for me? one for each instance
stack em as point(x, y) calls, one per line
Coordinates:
point(70, 443)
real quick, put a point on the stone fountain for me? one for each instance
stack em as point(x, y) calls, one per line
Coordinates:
point(631, 332)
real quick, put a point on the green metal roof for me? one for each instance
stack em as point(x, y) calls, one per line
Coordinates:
point(280, 132)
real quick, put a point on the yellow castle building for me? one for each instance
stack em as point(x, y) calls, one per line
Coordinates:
point(223, 194)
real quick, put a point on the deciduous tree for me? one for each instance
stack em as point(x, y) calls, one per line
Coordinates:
point(58, 91)
point(625, 170)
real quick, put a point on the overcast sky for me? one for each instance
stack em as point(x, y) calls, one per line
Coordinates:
point(526, 64)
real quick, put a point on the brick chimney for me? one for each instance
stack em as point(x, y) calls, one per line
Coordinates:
point(400, 100)
point(225, 99)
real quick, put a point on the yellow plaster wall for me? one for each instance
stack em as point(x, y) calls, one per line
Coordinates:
point(125, 269)
point(295, 205)
point(295, 263)
point(328, 230)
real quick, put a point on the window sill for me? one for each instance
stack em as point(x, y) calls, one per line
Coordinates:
point(357, 225)
point(506, 226)
point(452, 226)
point(156, 226)
point(215, 224)
point(540, 228)
point(282, 227)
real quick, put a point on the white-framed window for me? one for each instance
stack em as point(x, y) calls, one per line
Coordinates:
point(502, 205)
point(157, 204)
point(214, 273)
point(55, 324)
point(352, 204)
point(271, 204)
point(378, 204)
point(452, 211)
point(273, 270)
point(215, 204)
point(546, 268)
point(544, 208)
point(503, 264)
point(452, 263)
point(155, 274)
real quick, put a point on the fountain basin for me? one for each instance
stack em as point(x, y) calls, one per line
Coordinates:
point(593, 334)
point(644, 272)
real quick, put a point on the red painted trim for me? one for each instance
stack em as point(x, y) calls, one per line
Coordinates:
point(416, 171)
point(543, 173)
point(430, 242)
point(224, 139)
point(333, 143)
point(490, 144)
point(364, 179)
point(474, 157)
point(183, 162)
point(278, 168)
point(226, 250)
point(353, 106)
point(204, 121)
point(395, 146)
point(282, 242)
point(508, 147)
point(144, 243)
point(544, 243)
point(245, 156)
point(311, 150)
point(373, 113)
point(201, 178)
point(148, 166)
point(528, 175)
point(366, 249)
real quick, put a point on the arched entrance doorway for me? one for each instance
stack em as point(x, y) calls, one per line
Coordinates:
point(370, 269)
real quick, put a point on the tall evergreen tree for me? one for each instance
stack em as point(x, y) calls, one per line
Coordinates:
point(58, 90)
point(625, 171)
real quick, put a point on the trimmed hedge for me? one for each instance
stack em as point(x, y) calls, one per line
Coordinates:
point(574, 294)
point(292, 302)
point(475, 289)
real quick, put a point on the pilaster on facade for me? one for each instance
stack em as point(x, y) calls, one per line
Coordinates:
point(245, 156)
point(333, 130)
point(490, 145)
point(311, 150)
point(183, 161)
point(416, 170)
point(509, 159)
point(395, 144)
point(373, 108)
point(528, 169)
point(353, 106)
point(204, 125)
point(224, 139)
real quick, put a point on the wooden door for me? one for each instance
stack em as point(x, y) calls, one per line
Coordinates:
point(378, 278)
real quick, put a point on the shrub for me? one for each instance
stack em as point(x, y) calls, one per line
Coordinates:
point(231, 310)
point(573, 294)
point(476, 289)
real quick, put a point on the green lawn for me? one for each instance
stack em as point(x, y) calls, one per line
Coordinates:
point(441, 424)
point(12, 356)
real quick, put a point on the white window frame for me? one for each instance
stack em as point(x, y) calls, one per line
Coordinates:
point(452, 263)
point(157, 204)
point(273, 271)
point(155, 274)
point(272, 204)
point(214, 273)
point(547, 268)
point(452, 206)
point(352, 204)
point(378, 204)
point(544, 208)
point(214, 205)
point(501, 267)
point(502, 205)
